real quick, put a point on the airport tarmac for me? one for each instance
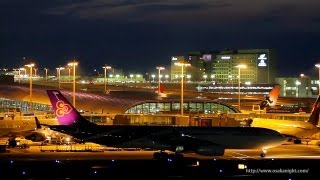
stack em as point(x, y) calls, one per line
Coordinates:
point(287, 161)
point(92, 151)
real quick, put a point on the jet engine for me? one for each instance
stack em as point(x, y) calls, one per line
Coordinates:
point(211, 150)
point(36, 137)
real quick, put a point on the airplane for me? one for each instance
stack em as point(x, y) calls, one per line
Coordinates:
point(272, 98)
point(297, 130)
point(210, 141)
point(26, 128)
point(269, 104)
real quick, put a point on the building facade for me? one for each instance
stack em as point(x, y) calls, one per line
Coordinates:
point(220, 66)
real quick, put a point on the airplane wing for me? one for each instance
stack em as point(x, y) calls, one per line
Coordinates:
point(184, 143)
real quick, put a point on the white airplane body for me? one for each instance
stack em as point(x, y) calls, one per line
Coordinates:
point(299, 129)
point(293, 128)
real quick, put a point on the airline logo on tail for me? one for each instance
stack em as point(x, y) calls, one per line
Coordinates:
point(272, 98)
point(62, 109)
point(65, 112)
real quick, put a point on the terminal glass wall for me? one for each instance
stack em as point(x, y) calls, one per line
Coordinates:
point(174, 107)
point(24, 105)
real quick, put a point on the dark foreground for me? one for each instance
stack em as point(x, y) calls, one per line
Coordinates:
point(187, 168)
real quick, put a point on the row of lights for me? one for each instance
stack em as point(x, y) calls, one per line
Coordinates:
point(31, 65)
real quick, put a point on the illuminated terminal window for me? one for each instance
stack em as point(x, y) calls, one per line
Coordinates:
point(174, 107)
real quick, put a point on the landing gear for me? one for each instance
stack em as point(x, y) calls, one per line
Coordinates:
point(12, 142)
point(263, 153)
point(297, 141)
point(160, 155)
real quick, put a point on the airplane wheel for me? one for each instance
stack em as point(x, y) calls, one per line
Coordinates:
point(12, 143)
point(176, 156)
point(297, 141)
point(263, 152)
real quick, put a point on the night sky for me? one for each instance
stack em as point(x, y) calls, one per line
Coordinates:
point(138, 35)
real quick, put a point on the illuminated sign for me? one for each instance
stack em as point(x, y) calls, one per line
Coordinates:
point(225, 57)
point(262, 60)
point(174, 58)
point(206, 57)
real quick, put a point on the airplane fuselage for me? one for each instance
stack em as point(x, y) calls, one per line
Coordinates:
point(163, 137)
point(298, 129)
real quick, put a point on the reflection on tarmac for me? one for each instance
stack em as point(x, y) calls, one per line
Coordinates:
point(32, 163)
point(287, 151)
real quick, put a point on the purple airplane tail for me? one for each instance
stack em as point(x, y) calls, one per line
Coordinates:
point(65, 112)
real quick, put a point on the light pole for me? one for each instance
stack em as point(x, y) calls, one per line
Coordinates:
point(212, 76)
point(20, 69)
point(73, 65)
point(284, 88)
point(166, 76)
point(153, 76)
point(205, 77)
point(30, 98)
point(182, 65)
point(46, 69)
point(159, 78)
point(240, 66)
point(188, 77)
point(297, 90)
point(105, 67)
point(58, 74)
point(318, 66)
point(69, 74)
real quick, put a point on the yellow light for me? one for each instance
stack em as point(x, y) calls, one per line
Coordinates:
point(73, 64)
point(242, 166)
point(241, 66)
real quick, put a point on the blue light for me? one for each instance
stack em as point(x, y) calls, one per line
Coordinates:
point(23, 172)
point(220, 170)
point(11, 162)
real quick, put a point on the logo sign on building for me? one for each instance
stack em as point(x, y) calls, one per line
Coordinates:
point(174, 58)
point(262, 60)
point(206, 57)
